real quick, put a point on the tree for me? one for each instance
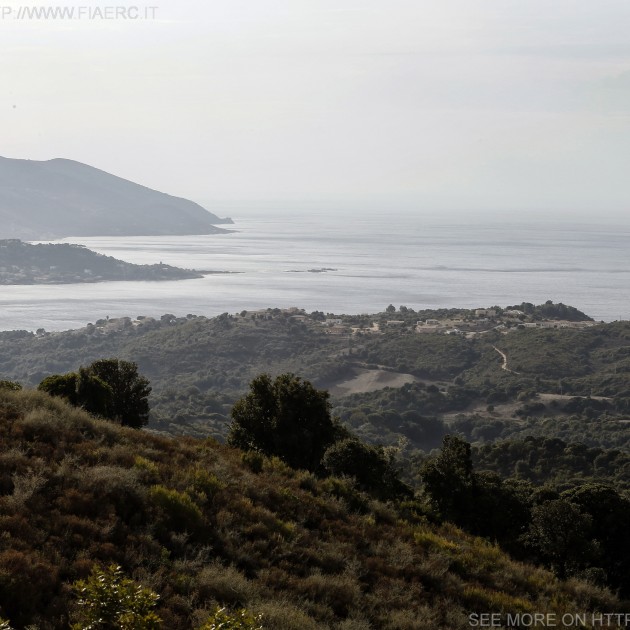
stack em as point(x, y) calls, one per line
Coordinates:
point(610, 513)
point(286, 417)
point(449, 480)
point(81, 389)
point(559, 531)
point(110, 388)
point(130, 392)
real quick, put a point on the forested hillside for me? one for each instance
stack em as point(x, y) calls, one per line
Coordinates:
point(564, 382)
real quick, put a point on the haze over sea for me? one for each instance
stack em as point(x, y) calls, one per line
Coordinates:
point(343, 263)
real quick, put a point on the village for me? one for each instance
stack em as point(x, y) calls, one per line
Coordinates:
point(477, 322)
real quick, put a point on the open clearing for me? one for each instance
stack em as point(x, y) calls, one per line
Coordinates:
point(366, 380)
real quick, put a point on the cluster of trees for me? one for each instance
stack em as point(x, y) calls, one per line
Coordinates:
point(580, 531)
point(562, 529)
point(548, 460)
point(575, 532)
point(110, 388)
point(549, 310)
point(288, 418)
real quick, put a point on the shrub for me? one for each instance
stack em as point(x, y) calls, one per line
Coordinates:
point(180, 510)
point(254, 461)
point(241, 619)
point(27, 583)
point(15, 387)
point(225, 585)
point(206, 483)
point(283, 615)
point(107, 599)
point(369, 465)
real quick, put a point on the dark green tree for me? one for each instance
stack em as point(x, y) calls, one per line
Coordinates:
point(449, 480)
point(286, 417)
point(609, 512)
point(110, 388)
point(81, 389)
point(130, 391)
point(62, 385)
point(500, 508)
point(93, 394)
point(559, 532)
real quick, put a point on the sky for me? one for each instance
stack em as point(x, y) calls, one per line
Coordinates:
point(447, 106)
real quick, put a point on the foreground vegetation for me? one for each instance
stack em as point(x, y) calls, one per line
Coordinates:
point(337, 510)
point(209, 527)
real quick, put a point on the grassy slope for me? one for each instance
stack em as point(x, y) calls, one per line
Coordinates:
point(191, 519)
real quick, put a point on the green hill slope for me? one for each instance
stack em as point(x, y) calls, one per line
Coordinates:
point(202, 524)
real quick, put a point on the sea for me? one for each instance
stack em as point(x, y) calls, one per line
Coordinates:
point(352, 263)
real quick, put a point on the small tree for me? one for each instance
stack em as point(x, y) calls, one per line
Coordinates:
point(286, 417)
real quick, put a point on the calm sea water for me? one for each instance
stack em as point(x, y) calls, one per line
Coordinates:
point(371, 262)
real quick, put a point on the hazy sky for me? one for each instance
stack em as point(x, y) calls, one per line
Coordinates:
point(425, 104)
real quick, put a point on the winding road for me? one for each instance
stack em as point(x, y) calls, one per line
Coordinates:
point(504, 365)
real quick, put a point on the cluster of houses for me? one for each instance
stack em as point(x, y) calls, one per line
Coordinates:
point(484, 319)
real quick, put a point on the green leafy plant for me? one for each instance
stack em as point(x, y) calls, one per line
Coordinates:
point(108, 600)
point(241, 619)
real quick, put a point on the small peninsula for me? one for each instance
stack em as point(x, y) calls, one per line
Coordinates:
point(63, 263)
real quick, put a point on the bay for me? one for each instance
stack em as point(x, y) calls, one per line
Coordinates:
point(348, 263)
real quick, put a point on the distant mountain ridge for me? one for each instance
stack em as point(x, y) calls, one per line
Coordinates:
point(59, 198)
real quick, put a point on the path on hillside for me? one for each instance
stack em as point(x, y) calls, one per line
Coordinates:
point(504, 365)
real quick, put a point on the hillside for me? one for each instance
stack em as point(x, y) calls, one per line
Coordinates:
point(204, 525)
point(59, 198)
point(48, 263)
point(199, 366)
